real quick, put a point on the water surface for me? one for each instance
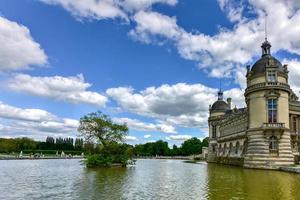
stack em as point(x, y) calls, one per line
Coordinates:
point(149, 179)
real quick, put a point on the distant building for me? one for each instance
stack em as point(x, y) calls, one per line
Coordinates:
point(265, 134)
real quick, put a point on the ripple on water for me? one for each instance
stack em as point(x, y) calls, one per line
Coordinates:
point(149, 179)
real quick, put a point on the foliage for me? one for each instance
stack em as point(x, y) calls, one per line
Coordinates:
point(161, 148)
point(113, 153)
point(191, 147)
point(24, 144)
point(99, 127)
point(108, 135)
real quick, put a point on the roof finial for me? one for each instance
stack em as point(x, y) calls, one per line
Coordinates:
point(266, 27)
point(266, 46)
point(220, 93)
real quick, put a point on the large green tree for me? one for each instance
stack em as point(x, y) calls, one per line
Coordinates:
point(99, 127)
point(192, 146)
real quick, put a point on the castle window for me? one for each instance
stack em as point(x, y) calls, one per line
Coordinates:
point(214, 131)
point(271, 76)
point(273, 145)
point(272, 110)
point(214, 148)
point(237, 146)
point(294, 124)
point(230, 149)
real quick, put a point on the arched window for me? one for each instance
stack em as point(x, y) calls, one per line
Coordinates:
point(230, 149)
point(273, 144)
point(244, 147)
point(237, 147)
point(220, 149)
point(225, 149)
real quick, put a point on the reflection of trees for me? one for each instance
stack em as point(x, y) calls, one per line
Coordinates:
point(102, 183)
point(228, 182)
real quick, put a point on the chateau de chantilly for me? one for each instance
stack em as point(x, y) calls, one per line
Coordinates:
point(264, 134)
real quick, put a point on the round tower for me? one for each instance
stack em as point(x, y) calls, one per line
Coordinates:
point(216, 114)
point(267, 99)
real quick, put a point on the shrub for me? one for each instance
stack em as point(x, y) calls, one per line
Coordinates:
point(112, 153)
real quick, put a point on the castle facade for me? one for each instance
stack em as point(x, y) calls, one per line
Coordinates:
point(264, 134)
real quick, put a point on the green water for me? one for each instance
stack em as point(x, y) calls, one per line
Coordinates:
point(149, 179)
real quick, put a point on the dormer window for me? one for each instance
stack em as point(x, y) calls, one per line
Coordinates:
point(271, 76)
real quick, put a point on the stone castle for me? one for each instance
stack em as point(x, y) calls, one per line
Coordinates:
point(265, 134)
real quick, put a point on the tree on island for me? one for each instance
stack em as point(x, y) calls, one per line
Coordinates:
point(99, 128)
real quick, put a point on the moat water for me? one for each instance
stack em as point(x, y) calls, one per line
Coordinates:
point(149, 179)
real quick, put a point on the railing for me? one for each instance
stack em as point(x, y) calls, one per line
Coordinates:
point(273, 125)
point(268, 84)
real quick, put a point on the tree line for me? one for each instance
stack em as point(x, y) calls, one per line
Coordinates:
point(26, 144)
point(191, 146)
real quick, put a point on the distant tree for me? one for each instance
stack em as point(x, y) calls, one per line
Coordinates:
point(99, 127)
point(161, 148)
point(78, 144)
point(191, 146)
point(205, 142)
point(50, 143)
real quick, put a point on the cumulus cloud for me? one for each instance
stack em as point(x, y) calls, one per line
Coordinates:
point(179, 137)
point(18, 49)
point(129, 138)
point(70, 89)
point(294, 74)
point(134, 5)
point(106, 9)
point(34, 123)
point(145, 136)
point(142, 126)
point(90, 9)
point(11, 112)
point(226, 53)
point(180, 104)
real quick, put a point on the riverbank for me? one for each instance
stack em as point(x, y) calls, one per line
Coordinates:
point(291, 169)
point(11, 157)
point(171, 157)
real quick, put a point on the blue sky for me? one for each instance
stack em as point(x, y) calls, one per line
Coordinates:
point(155, 65)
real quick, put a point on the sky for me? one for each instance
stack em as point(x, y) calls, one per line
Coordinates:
point(155, 65)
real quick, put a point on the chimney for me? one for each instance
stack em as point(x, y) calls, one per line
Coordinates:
point(229, 102)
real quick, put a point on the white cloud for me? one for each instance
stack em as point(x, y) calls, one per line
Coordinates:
point(179, 137)
point(133, 5)
point(294, 74)
point(153, 23)
point(11, 112)
point(70, 89)
point(177, 105)
point(142, 126)
point(147, 136)
point(130, 138)
point(106, 9)
point(18, 49)
point(91, 9)
point(34, 123)
point(224, 54)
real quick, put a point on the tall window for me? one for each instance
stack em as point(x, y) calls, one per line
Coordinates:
point(272, 110)
point(294, 124)
point(271, 75)
point(237, 147)
point(214, 131)
point(273, 145)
